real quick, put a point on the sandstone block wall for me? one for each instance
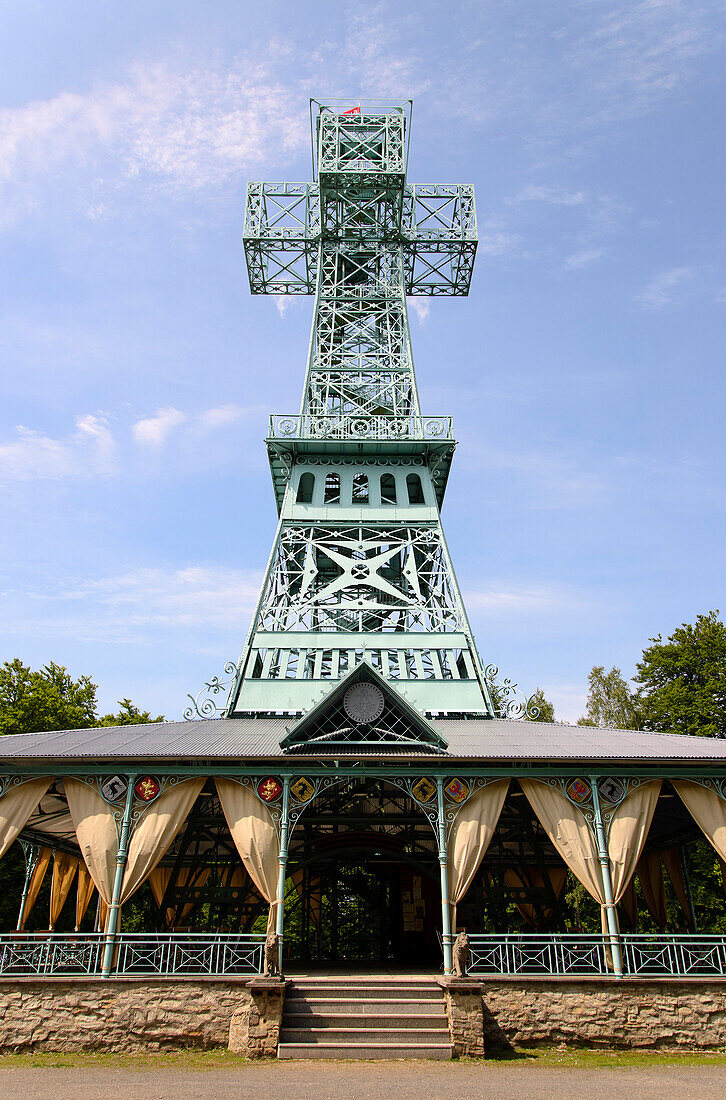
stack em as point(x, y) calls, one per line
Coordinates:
point(128, 1015)
point(629, 1014)
point(119, 1015)
point(464, 1011)
point(255, 1029)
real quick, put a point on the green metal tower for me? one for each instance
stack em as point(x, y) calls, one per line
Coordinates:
point(360, 569)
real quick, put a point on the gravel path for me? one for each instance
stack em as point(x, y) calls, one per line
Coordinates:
point(350, 1081)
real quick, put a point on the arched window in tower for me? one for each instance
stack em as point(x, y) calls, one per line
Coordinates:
point(360, 488)
point(415, 489)
point(388, 489)
point(305, 488)
point(332, 489)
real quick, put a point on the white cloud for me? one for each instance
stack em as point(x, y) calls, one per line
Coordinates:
point(219, 418)
point(143, 605)
point(169, 126)
point(638, 52)
point(663, 289)
point(155, 430)
point(90, 451)
point(553, 479)
point(498, 242)
point(283, 302)
point(570, 701)
point(580, 259)
point(421, 307)
point(514, 600)
point(555, 196)
point(195, 594)
point(93, 451)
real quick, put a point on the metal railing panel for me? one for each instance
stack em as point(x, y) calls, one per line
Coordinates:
point(135, 953)
point(359, 426)
point(580, 954)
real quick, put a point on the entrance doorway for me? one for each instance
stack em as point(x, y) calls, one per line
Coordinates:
point(363, 881)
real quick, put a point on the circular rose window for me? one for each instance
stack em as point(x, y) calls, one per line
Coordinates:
point(363, 703)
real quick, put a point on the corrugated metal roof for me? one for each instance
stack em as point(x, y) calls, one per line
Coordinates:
point(233, 739)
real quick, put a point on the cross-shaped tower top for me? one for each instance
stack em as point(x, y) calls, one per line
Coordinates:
point(360, 193)
point(360, 568)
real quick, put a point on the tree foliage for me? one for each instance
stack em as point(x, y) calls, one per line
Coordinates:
point(50, 699)
point(128, 715)
point(540, 704)
point(610, 701)
point(683, 679)
point(46, 700)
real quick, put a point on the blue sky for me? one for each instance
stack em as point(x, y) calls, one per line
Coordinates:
point(585, 511)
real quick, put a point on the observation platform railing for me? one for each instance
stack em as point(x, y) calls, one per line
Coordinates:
point(559, 955)
point(136, 954)
point(358, 426)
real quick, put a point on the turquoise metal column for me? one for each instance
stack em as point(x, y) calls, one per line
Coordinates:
point(444, 863)
point(121, 857)
point(31, 858)
point(602, 852)
point(284, 833)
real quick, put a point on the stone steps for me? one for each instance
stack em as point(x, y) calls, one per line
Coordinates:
point(363, 1050)
point(364, 1018)
point(375, 1019)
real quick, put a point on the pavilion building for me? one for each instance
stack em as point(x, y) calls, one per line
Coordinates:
point(358, 780)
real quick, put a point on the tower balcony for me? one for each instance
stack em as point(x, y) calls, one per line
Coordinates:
point(357, 435)
point(355, 427)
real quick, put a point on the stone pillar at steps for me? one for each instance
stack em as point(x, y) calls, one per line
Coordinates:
point(464, 1009)
point(255, 1030)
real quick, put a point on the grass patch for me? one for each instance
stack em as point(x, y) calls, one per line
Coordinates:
point(179, 1059)
point(222, 1059)
point(604, 1059)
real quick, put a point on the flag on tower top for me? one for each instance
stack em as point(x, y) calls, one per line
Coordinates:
point(352, 111)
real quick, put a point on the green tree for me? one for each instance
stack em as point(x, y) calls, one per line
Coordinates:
point(539, 704)
point(128, 715)
point(46, 700)
point(683, 679)
point(610, 701)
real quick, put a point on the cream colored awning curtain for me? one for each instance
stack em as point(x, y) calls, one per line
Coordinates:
point(519, 878)
point(707, 809)
point(84, 892)
point(150, 839)
point(16, 806)
point(37, 876)
point(64, 871)
point(628, 832)
point(672, 862)
point(160, 878)
point(650, 873)
point(469, 838)
point(96, 834)
point(255, 838)
point(156, 830)
point(575, 841)
point(569, 832)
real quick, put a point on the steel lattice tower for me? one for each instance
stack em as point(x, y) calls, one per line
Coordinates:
point(360, 569)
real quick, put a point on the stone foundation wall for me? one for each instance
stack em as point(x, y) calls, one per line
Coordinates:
point(138, 1015)
point(129, 1015)
point(464, 1011)
point(629, 1014)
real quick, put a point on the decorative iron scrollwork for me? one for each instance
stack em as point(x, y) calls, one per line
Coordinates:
point(209, 708)
point(509, 699)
